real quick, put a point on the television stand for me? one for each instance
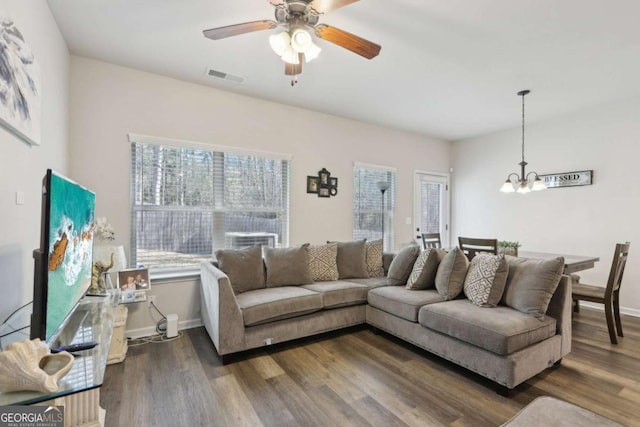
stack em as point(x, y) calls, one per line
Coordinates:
point(79, 389)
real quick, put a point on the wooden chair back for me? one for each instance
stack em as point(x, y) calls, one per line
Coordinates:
point(471, 246)
point(431, 240)
point(617, 268)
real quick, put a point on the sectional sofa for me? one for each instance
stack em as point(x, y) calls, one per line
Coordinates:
point(505, 318)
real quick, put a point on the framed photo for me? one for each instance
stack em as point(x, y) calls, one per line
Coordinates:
point(333, 182)
point(324, 192)
point(312, 184)
point(324, 176)
point(136, 279)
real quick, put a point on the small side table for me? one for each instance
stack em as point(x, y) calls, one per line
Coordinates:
point(118, 348)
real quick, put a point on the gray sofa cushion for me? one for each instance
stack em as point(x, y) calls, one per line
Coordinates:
point(501, 330)
point(402, 263)
point(340, 293)
point(323, 262)
point(270, 304)
point(352, 260)
point(451, 273)
point(372, 282)
point(287, 266)
point(244, 267)
point(423, 274)
point(402, 302)
point(485, 279)
point(531, 284)
point(374, 258)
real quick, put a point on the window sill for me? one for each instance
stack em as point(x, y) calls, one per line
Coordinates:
point(167, 276)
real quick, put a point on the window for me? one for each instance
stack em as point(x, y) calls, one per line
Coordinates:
point(368, 203)
point(188, 202)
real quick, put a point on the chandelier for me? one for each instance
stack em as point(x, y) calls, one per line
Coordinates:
point(525, 182)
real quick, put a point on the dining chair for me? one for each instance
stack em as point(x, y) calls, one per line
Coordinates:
point(471, 246)
point(431, 240)
point(609, 296)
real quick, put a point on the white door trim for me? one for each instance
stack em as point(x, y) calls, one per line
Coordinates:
point(446, 179)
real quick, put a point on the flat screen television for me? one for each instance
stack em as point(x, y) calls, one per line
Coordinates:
point(63, 262)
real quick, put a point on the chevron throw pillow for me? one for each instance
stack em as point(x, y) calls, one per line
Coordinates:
point(322, 262)
point(486, 279)
point(374, 258)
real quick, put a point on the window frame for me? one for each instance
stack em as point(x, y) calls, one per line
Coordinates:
point(215, 208)
point(390, 204)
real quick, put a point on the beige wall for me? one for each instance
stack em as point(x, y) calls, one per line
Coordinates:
point(107, 102)
point(587, 220)
point(22, 166)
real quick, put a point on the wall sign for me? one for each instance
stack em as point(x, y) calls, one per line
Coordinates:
point(567, 179)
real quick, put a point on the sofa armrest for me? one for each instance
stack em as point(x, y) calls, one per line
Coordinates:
point(219, 310)
point(560, 309)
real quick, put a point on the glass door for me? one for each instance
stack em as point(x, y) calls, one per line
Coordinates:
point(431, 206)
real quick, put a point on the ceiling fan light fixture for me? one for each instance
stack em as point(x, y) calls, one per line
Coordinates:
point(301, 40)
point(290, 56)
point(312, 53)
point(280, 42)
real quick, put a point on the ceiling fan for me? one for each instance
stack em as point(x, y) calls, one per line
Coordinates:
point(298, 17)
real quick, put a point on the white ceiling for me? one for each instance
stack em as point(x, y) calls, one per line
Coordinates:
point(448, 68)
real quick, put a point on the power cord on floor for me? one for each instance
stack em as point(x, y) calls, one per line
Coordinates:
point(161, 331)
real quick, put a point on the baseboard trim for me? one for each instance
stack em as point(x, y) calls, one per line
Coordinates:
point(623, 310)
point(151, 330)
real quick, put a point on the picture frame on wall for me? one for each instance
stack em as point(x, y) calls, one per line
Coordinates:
point(312, 184)
point(21, 103)
point(324, 176)
point(324, 192)
point(333, 182)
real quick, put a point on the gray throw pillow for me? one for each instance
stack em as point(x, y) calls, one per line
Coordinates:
point(374, 258)
point(423, 275)
point(352, 260)
point(288, 266)
point(485, 280)
point(244, 267)
point(531, 283)
point(402, 264)
point(451, 273)
point(323, 262)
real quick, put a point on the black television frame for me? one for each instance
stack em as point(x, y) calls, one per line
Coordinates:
point(41, 267)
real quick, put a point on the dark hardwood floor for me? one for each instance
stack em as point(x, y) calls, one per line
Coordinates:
point(355, 377)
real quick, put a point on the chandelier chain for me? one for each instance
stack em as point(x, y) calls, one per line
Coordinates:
point(523, 128)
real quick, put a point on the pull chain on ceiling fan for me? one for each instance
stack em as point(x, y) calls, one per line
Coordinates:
point(295, 43)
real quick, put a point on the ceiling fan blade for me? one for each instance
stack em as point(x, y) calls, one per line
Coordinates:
point(294, 69)
point(235, 30)
point(348, 41)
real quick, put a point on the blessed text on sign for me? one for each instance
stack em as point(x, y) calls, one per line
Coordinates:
point(567, 179)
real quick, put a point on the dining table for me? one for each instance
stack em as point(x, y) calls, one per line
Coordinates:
point(572, 263)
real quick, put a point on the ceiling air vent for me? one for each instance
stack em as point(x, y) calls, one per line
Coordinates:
point(224, 76)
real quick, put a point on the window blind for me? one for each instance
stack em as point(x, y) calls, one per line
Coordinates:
point(367, 204)
point(188, 202)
